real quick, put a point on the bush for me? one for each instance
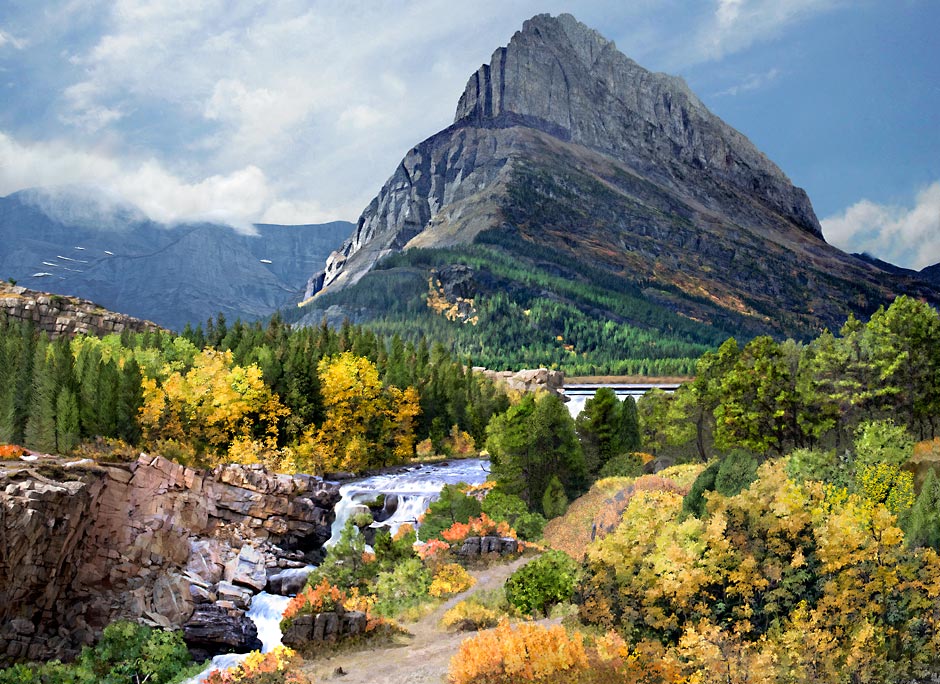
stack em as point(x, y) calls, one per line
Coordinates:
point(736, 471)
point(694, 502)
point(548, 580)
point(508, 655)
point(403, 588)
point(453, 506)
point(470, 616)
point(261, 668)
point(624, 465)
point(450, 579)
point(554, 500)
point(512, 509)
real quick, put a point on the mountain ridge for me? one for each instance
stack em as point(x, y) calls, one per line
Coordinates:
point(171, 274)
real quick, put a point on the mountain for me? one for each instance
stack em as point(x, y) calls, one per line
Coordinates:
point(571, 169)
point(170, 274)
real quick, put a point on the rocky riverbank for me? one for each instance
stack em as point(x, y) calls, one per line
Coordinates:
point(153, 541)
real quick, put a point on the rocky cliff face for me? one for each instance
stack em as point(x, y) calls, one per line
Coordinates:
point(149, 540)
point(69, 316)
point(564, 144)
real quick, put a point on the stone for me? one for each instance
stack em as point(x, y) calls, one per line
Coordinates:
point(239, 596)
point(172, 599)
point(247, 569)
point(146, 540)
point(214, 630)
point(299, 632)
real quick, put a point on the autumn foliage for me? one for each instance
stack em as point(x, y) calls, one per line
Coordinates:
point(450, 579)
point(11, 451)
point(522, 653)
point(261, 668)
point(322, 598)
point(480, 526)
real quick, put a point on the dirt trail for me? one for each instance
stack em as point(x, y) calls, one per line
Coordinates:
point(422, 658)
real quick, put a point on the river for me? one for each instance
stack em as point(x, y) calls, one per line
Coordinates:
point(580, 393)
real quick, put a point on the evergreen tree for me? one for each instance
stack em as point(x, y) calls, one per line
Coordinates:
point(922, 523)
point(598, 427)
point(129, 399)
point(629, 426)
point(530, 443)
point(66, 421)
point(41, 425)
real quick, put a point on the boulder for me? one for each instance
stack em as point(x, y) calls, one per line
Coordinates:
point(247, 569)
point(213, 629)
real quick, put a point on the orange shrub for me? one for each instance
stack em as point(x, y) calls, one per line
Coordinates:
point(482, 526)
point(8, 452)
point(525, 653)
point(320, 599)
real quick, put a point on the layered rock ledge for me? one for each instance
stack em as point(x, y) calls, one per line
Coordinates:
point(152, 541)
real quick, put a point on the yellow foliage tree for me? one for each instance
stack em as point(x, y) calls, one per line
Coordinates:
point(366, 424)
point(215, 405)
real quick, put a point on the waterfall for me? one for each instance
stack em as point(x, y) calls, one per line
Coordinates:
point(414, 488)
point(265, 611)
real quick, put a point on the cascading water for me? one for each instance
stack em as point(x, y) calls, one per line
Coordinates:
point(415, 489)
point(265, 611)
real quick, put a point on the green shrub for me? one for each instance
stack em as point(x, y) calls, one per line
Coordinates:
point(403, 588)
point(452, 506)
point(548, 580)
point(736, 471)
point(554, 500)
point(694, 501)
point(624, 465)
point(501, 506)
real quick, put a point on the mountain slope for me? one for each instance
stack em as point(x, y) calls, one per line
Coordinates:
point(615, 177)
point(172, 275)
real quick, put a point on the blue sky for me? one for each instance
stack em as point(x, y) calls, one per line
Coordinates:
point(295, 112)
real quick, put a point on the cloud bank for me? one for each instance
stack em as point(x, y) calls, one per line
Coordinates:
point(905, 236)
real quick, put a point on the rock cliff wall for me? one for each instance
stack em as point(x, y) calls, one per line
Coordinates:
point(150, 540)
point(59, 315)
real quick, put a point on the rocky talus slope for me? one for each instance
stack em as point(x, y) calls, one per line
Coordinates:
point(571, 157)
point(151, 540)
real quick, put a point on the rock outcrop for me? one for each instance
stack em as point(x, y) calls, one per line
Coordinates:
point(149, 540)
point(528, 380)
point(69, 316)
point(580, 164)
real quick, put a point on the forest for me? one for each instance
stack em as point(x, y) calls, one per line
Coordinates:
point(311, 399)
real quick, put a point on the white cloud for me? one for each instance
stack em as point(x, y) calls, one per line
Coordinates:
point(752, 82)
point(908, 237)
point(235, 198)
point(11, 40)
point(322, 102)
point(736, 25)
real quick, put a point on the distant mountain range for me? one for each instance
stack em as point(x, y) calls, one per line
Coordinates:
point(169, 274)
point(573, 182)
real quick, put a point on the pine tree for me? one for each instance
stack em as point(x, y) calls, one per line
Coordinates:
point(922, 523)
point(629, 425)
point(130, 398)
point(66, 421)
point(41, 425)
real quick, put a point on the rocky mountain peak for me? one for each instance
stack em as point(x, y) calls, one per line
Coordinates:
point(564, 78)
point(562, 98)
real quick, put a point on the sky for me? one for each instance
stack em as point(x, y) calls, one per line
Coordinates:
point(290, 111)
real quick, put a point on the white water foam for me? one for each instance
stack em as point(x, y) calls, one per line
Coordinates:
point(415, 488)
